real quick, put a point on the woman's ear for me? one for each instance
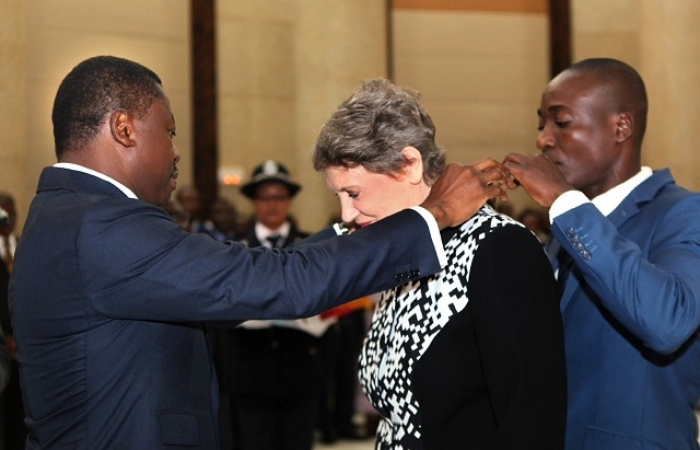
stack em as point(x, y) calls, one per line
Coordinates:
point(121, 127)
point(414, 170)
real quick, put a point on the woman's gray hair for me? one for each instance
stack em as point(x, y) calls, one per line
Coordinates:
point(373, 126)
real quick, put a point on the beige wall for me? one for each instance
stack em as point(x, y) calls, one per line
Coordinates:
point(284, 65)
point(480, 74)
point(43, 39)
point(662, 41)
point(670, 63)
point(604, 28)
point(13, 101)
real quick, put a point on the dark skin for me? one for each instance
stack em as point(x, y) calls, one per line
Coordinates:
point(136, 151)
point(587, 141)
point(462, 190)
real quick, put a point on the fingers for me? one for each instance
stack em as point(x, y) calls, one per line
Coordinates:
point(462, 190)
point(494, 178)
point(495, 173)
point(516, 158)
point(486, 164)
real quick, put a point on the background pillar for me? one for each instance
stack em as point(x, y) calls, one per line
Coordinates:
point(338, 44)
point(13, 101)
point(670, 64)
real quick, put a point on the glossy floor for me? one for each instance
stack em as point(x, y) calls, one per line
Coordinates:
point(368, 444)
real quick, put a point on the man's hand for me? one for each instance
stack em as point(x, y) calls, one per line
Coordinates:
point(462, 190)
point(539, 176)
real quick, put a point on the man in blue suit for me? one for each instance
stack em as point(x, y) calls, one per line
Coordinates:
point(629, 264)
point(108, 295)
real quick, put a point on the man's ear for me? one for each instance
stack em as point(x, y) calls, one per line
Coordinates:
point(625, 127)
point(414, 170)
point(121, 127)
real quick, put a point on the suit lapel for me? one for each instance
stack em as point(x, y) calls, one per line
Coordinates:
point(643, 194)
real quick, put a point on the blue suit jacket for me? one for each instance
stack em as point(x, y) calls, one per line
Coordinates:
point(108, 297)
point(631, 311)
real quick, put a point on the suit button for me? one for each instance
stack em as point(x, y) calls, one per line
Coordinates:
point(587, 255)
point(570, 232)
point(275, 345)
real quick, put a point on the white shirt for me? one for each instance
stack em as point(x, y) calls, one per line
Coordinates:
point(262, 233)
point(605, 202)
point(12, 241)
point(78, 168)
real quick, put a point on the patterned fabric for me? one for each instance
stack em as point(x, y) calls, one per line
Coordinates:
point(405, 322)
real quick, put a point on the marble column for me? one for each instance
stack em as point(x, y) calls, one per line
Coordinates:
point(337, 45)
point(13, 101)
point(670, 64)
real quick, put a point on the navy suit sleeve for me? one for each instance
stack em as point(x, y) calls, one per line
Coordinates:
point(652, 289)
point(322, 235)
point(137, 264)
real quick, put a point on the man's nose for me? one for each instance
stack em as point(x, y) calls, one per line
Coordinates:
point(545, 139)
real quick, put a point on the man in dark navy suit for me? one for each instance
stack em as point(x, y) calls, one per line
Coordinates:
point(108, 295)
point(628, 259)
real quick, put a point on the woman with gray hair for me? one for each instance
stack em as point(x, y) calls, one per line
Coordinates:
point(472, 357)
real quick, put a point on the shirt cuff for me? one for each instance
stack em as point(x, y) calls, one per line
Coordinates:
point(340, 228)
point(566, 202)
point(434, 234)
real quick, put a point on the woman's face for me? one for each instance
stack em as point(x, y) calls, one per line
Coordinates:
point(366, 197)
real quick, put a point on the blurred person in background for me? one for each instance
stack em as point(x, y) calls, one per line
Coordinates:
point(189, 200)
point(177, 213)
point(11, 408)
point(224, 220)
point(271, 373)
point(536, 221)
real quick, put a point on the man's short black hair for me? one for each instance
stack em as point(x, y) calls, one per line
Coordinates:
point(625, 87)
point(93, 90)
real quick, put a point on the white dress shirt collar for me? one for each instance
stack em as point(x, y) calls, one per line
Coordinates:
point(262, 232)
point(605, 202)
point(611, 199)
point(78, 168)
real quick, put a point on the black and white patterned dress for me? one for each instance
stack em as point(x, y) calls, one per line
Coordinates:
point(410, 318)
